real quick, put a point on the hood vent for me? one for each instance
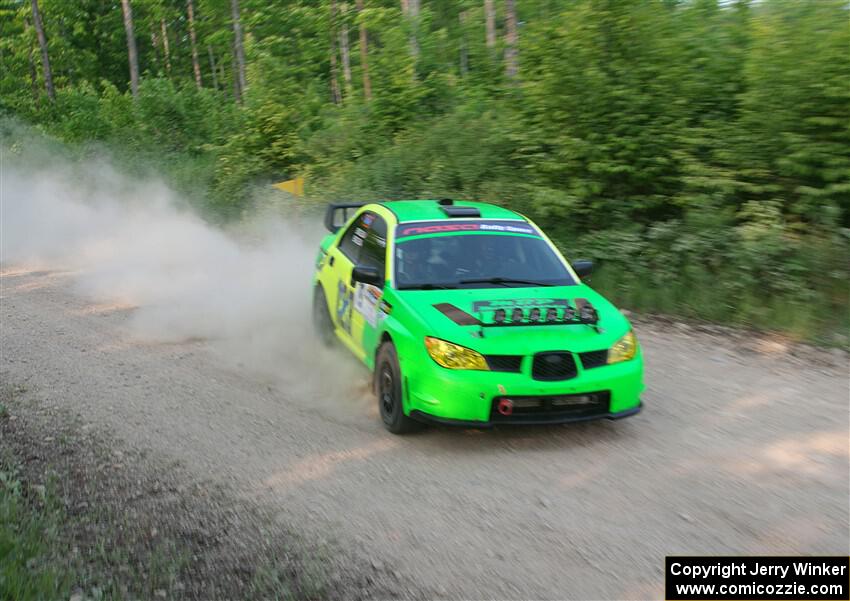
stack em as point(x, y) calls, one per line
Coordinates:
point(456, 211)
point(460, 317)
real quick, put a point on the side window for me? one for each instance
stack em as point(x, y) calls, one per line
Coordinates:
point(352, 240)
point(374, 253)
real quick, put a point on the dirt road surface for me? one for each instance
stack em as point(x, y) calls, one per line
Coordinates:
point(742, 449)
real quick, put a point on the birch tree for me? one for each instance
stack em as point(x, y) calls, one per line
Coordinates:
point(238, 51)
point(45, 59)
point(196, 65)
point(364, 54)
point(511, 40)
point(132, 53)
point(344, 48)
point(490, 20)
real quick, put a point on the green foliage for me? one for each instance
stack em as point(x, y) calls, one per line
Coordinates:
point(796, 109)
point(30, 521)
point(457, 154)
point(602, 124)
point(752, 271)
point(698, 145)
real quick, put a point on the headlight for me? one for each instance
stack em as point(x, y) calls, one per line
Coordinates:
point(624, 349)
point(454, 356)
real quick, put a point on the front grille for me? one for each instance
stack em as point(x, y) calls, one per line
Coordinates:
point(504, 362)
point(553, 366)
point(593, 359)
point(553, 407)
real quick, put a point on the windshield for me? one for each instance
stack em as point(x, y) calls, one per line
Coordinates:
point(477, 261)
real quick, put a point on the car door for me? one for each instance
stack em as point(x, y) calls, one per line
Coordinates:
point(341, 260)
point(367, 297)
point(354, 305)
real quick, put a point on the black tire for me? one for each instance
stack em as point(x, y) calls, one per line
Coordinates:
point(322, 323)
point(388, 391)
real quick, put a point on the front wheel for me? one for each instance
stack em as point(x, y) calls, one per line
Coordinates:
point(388, 389)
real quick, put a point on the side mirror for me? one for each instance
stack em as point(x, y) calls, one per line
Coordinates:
point(583, 267)
point(367, 274)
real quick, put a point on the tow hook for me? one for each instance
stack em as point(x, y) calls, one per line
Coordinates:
point(505, 407)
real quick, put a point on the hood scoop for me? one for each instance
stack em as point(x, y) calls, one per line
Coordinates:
point(455, 211)
point(525, 312)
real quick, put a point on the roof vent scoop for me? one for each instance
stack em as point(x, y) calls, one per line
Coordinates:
point(455, 211)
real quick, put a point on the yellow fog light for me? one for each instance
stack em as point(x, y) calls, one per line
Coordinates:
point(454, 356)
point(624, 349)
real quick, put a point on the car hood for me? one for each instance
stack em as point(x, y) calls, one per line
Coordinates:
point(441, 310)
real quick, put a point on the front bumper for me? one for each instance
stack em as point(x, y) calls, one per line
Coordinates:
point(521, 420)
point(466, 397)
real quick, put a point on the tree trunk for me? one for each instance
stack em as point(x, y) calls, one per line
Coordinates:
point(155, 44)
point(464, 53)
point(410, 10)
point(490, 18)
point(132, 54)
point(336, 95)
point(364, 56)
point(343, 47)
point(212, 67)
point(33, 70)
point(237, 91)
point(45, 59)
point(165, 47)
point(196, 65)
point(511, 39)
point(239, 50)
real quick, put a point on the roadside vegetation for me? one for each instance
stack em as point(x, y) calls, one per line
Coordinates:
point(30, 520)
point(698, 150)
point(83, 520)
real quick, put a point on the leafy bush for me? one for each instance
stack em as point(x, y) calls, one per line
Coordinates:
point(699, 150)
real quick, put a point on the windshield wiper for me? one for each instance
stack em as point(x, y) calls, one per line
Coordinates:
point(504, 281)
point(427, 286)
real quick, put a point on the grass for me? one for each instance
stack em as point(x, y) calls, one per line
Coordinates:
point(37, 560)
point(74, 524)
point(31, 547)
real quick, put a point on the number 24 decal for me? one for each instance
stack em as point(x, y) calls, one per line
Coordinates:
point(343, 306)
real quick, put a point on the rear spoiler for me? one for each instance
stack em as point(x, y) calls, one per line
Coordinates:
point(338, 213)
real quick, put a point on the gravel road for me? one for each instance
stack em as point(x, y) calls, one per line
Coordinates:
point(742, 449)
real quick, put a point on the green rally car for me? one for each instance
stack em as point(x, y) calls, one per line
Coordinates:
point(467, 314)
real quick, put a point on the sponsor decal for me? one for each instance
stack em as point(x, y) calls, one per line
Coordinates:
point(525, 311)
point(406, 230)
point(510, 303)
point(366, 299)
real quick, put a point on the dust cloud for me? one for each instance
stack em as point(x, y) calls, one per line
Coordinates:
point(134, 241)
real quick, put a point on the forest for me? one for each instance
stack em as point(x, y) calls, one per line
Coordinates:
point(697, 150)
